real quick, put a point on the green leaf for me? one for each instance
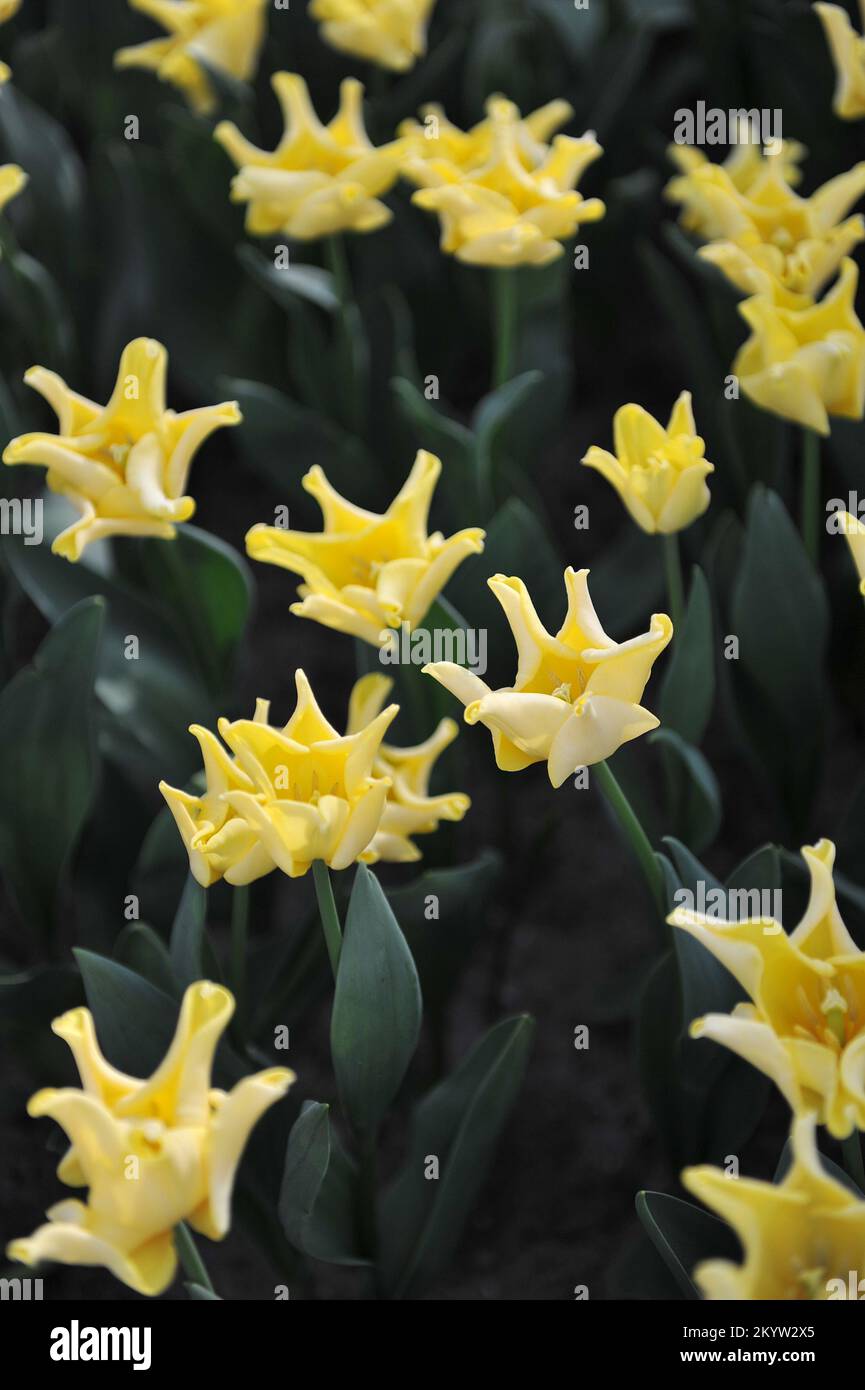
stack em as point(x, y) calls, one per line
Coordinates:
point(48, 761)
point(780, 616)
point(684, 1235)
point(135, 1022)
point(694, 796)
point(376, 1008)
point(309, 282)
point(188, 937)
point(198, 1293)
point(144, 952)
point(317, 1200)
point(490, 422)
point(688, 691)
point(459, 1123)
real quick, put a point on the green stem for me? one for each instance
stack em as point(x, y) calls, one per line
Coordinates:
point(505, 324)
point(634, 832)
point(193, 1265)
point(239, 937)
point(327, 912)
point(811, 509)
point(851, 1147)
point(337, 263)
point(675, 584)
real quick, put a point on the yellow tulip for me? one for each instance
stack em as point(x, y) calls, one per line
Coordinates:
point(848, 54)
point(366, 572)
point(283, 797)
point(151, 1152)
point(805, 1024)
point(225, 35)
point(806, 364)
point(745, 168)
point(770, 240)
point(12, 180)
point(505, 196)
point(320, 179)
point(575, 697)
point(410, 810)
point(8, 9)
point(799, 1237)
point(123, 466)
point(391, 33)
point(855, 532)
point(660, 474)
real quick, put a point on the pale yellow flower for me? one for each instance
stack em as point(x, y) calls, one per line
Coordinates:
point(151, 1152)
point(848, 54)
point(225, 35)
point(391, 33)
point(806, 364)
point(805, 1023)
point(124, 466)
point(12, 180)
point(282, 798)
point(800, 1238)
point(576, 696)
point(746, 166)
point(660, 474)
point(320, 179)
point(410, 810)
point(367, 572)
point(505, 196)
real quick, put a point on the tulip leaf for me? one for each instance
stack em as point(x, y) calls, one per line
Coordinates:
point(458, 1124)
point(449, 440)
point(684, 1235)
point(693, 793)
point(376, 1008)
point(688, 690)
point(48, 761)
point(188, 939)
point(780, 616)
point(309, 282)
point(198, 1293)
point(134, 1020)
point(492, 418)
point(140, 948)
point(317, 1200)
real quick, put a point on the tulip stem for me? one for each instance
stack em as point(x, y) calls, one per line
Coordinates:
point(337, 262)
point(327, 912)
point(675, 585)
point(811, 494)
point(239, 936)
point(193, 1265)
point(851, 1148)
point(505, 323)
point(628, 820)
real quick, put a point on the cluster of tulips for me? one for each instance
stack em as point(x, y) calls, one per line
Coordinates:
point(309, 796)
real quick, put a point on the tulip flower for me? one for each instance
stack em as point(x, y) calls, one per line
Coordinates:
point(806, 364)
point(805, 1023)
point(124, 466)
point(854, 530)
point(282, 798)
point(225, 35)
point(391, 33)
point(12, 180)
point(151, 1152)
point(504, 196)
point(799, 1237)
point(576, 696)
point(8, 8)
point(410, 810)
point(745, 168)
point(660, 474)
point(368, 572)
point(319, 180)
point(773, 242)
point(848, 54)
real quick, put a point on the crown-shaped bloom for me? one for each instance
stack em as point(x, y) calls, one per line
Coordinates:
point(123, 466)
point(152, 1152)
point(410, 810)
point(282, 798)
point(505, 196)
point(848, 54)
point(367, 572)
point(660, 474)
point(745, 167)
point(800, 1238)
point(12, 180)
point(576, 696)
point(391, 33)
point(320, 179)
point(804, 1024)
point(223, 35)
point(806, 364)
